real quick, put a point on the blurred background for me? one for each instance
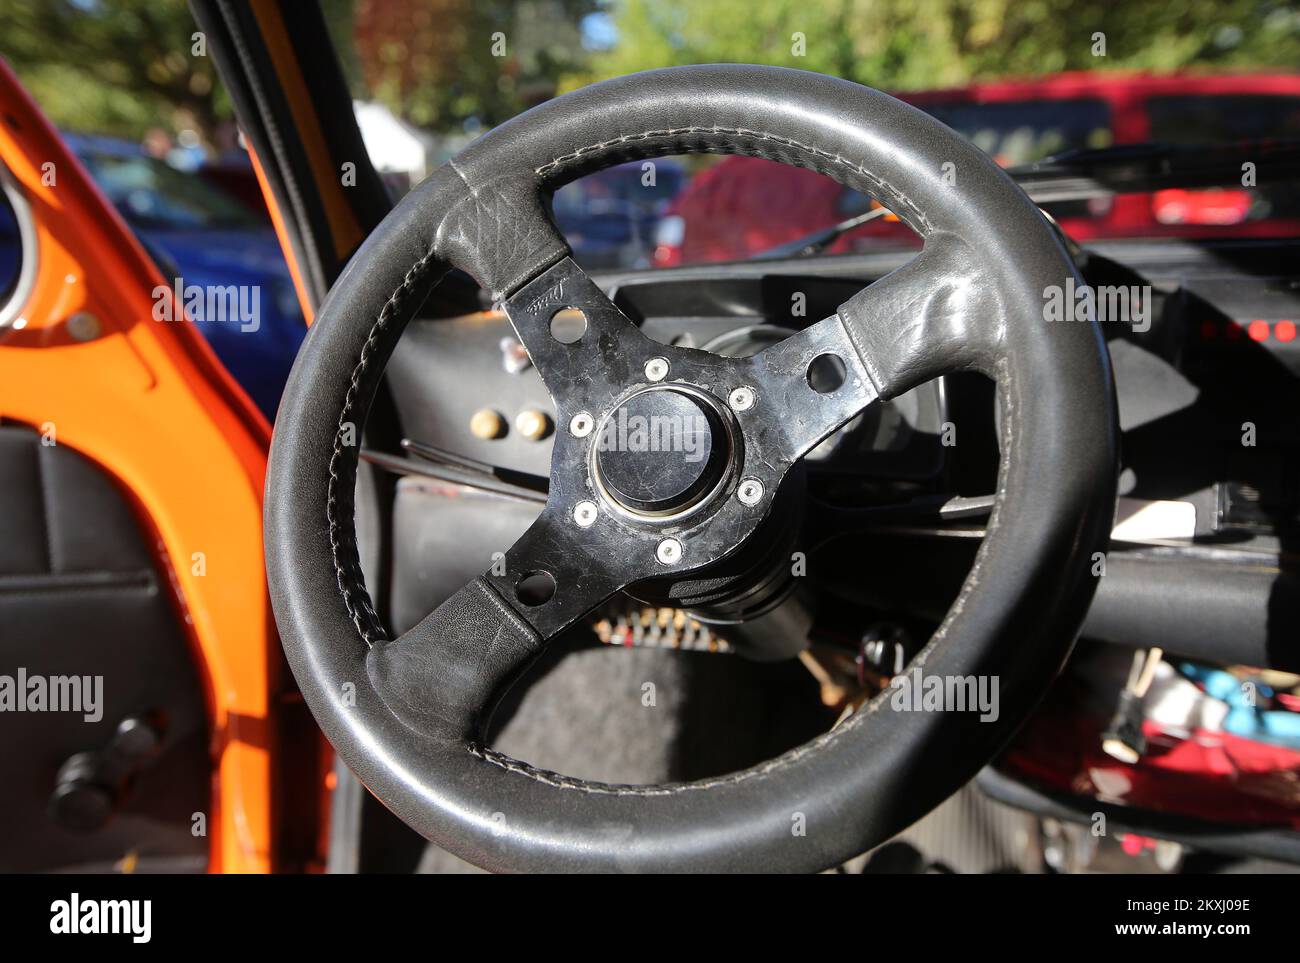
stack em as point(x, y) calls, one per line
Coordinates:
point(1024, 79)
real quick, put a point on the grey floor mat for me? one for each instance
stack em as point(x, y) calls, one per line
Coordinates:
point(583, 712)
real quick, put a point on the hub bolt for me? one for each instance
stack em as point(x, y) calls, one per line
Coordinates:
point(581, 425)
point(669, 551)
point(584, 513)
point(741, 399)
point(656, 369)
point(750, 491)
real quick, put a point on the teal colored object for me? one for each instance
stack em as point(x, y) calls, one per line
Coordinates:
point(1278, 727)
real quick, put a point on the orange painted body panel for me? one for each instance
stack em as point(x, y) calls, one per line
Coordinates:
point(148, 401)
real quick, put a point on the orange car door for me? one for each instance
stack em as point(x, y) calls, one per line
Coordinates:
point(86, 365)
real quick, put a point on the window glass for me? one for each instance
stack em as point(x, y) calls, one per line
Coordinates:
point(151, 192)
point(1211, 119)
point(11, 249)
point(1021, 132)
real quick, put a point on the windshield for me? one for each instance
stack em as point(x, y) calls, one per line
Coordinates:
point(1024, 82)
point(1020, 131)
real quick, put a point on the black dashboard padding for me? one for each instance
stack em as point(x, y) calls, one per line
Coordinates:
point(426, 518)
point(24, 546)
point(1017, 615)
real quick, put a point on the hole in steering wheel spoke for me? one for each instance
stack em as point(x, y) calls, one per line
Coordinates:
point(826, 373)
point(535, 588)
point(568, 325)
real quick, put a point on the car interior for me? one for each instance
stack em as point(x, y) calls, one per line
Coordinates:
point(940, 447)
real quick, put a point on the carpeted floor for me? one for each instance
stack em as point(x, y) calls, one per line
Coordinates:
point(584, 711)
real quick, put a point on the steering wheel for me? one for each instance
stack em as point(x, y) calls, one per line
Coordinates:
point(406, 714)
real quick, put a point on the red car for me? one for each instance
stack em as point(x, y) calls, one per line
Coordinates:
point(742, 206)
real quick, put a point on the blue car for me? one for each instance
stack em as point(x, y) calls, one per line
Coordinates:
point(211, 242)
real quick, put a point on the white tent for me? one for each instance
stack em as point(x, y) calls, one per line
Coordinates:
point(395, 147)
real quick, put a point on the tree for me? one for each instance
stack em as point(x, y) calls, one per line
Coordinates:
point(911, 44)
point(118, 67)
point(443, 63)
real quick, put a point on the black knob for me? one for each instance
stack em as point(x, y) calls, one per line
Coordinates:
point(80, 802)
point(90, 785)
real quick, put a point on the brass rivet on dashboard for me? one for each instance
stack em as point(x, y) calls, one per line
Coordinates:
point(487, 424)
point(533, 424)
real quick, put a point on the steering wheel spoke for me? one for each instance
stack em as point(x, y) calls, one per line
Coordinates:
point(443, 674)
point(933, 316)
point(585, 349)
point(806, 386)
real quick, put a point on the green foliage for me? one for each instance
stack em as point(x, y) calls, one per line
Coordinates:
point(113, 66)
point(911, 44)
point(444, 63)
point(123, 66)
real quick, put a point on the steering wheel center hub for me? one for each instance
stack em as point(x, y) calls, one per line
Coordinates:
point(662, 451)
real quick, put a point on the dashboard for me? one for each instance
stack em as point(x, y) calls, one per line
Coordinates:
point(1207, 370)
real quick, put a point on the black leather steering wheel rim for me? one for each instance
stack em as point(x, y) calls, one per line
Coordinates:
point(973, 300)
